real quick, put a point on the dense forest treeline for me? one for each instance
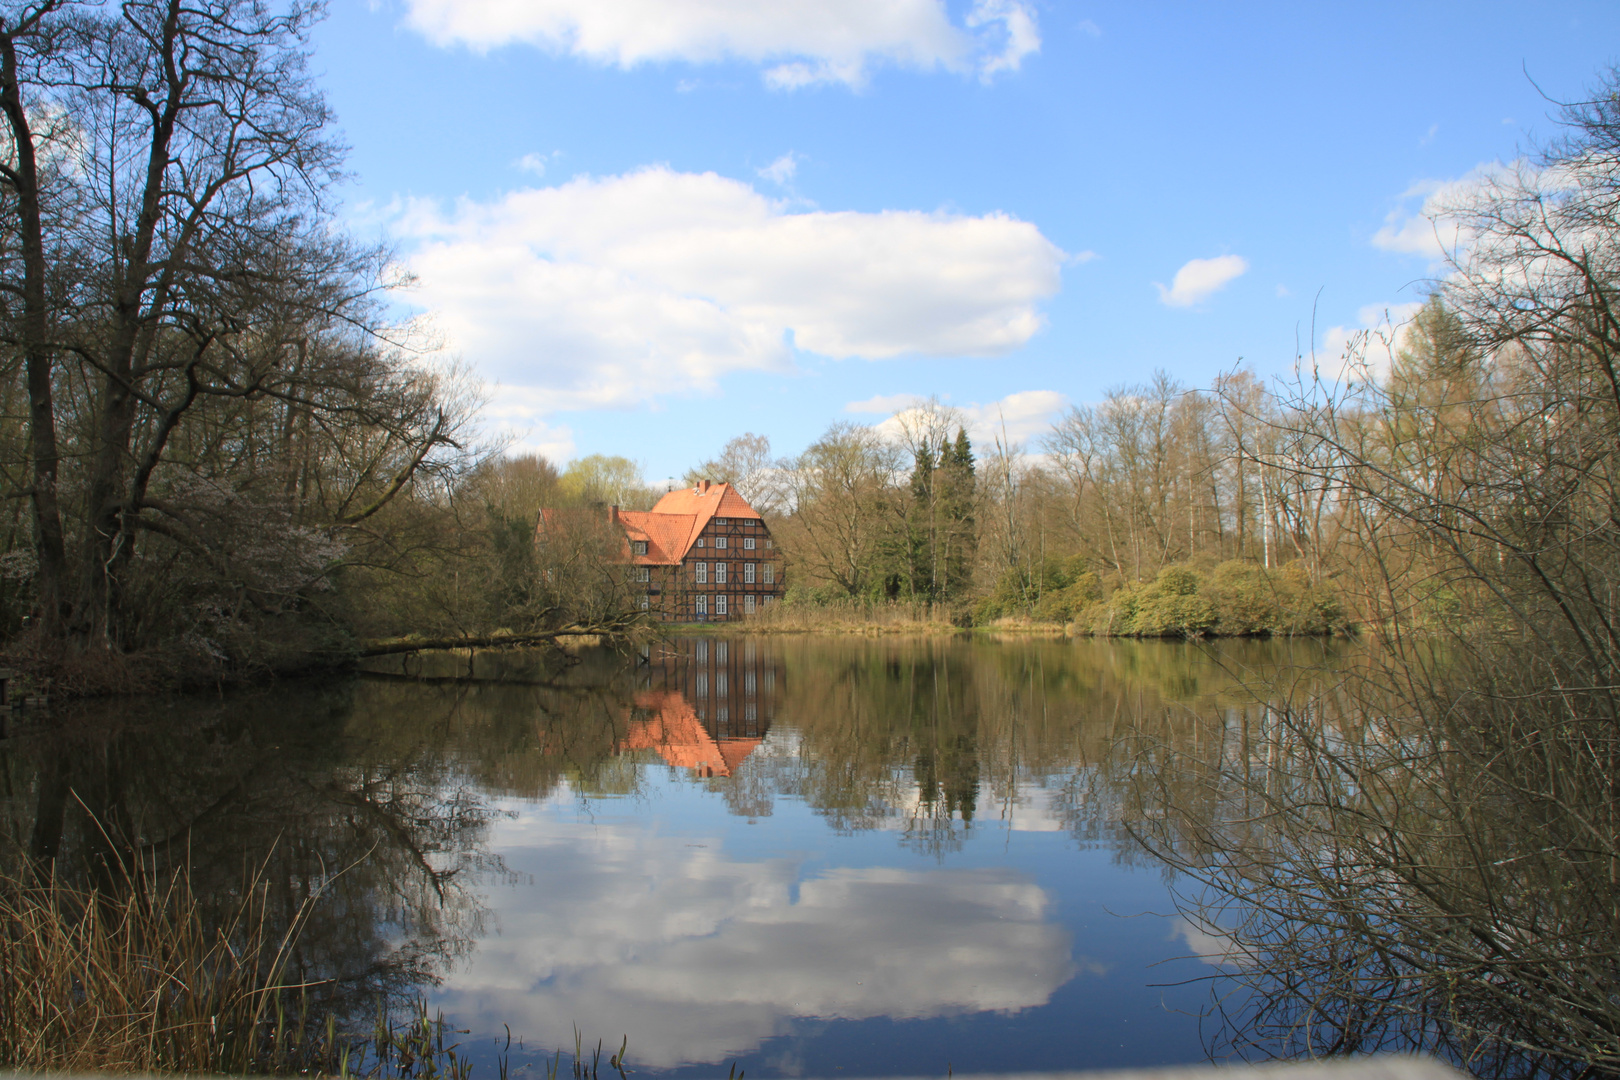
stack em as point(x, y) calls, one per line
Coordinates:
point(222, 457)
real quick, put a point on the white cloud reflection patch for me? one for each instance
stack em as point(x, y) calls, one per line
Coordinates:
point(700, 956)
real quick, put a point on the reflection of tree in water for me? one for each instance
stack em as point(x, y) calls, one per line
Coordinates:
point(269, 785)
point(936, 737)
point(1366, 885)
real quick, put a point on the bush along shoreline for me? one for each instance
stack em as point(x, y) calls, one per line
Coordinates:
point(1235, 598)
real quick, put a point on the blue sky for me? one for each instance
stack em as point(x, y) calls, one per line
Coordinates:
point(651, 225)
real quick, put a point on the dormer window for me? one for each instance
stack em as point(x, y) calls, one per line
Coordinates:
point(638, 547)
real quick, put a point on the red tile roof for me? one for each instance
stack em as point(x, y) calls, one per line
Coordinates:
point(670, 527)
point(680, 738)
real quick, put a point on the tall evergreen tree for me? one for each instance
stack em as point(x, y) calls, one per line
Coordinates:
point(958, 540)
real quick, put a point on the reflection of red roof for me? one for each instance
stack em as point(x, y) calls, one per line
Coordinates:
point(680, 738)
point(670, 527)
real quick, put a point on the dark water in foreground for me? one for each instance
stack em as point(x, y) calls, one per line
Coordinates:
point(799, 855)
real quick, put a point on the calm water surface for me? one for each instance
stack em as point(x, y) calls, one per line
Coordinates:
point(802, 855)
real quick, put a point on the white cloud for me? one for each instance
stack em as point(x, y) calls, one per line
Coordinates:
point(706, 956)
point(884, 404)
point(532, 163)
point(519, 411)
point(782, 170)
point(803, 42)
point(1090, 28)
point(1368, 348)
point(1017, 418)
point(619, 290)
point(1199, 279)
point(1422, 223)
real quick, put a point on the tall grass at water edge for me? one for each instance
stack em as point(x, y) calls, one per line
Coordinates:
point(849, 616)
point(137, 980)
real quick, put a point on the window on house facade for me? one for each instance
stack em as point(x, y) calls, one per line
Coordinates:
point(638, 547)
point(645, 602)
point(699, 542)
point(643, 573)
point(719, 521)
point(701, 606)
point(748, 606)
point(748, 543)
point(748, 573)
point(719, 541)
point(719, 573)
point(720, 604)
point(700, 573)
point(770, 573)
point(769, 542)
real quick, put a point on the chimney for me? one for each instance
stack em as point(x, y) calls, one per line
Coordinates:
point(613, 514)
point(703, 487)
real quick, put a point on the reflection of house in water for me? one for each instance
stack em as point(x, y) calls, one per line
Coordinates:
point(704, 704)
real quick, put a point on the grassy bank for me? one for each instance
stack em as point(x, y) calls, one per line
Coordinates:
point(1237, 598)
point(840, 617)
point(139, 980)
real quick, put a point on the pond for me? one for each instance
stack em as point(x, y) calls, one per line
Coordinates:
point(797, 855)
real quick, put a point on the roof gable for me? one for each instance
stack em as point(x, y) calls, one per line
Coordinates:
point(670, 528)
point(696, 507)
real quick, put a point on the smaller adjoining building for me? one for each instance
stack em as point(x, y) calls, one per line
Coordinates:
point(701, 555)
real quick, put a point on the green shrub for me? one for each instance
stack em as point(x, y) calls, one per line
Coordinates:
point(1233, 598)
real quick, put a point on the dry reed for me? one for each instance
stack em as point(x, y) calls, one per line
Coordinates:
point(849, 617)
point(136, 981)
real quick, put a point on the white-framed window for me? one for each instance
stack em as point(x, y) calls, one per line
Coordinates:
point(700, 573)
point(748, 608)
point(748, 543)
point(701, 606)
point(719, 573)
point(719, 521)
point(770, 573)
point(643, 573)
point(720, 542)
point(768, 601)
point(638, 547)
point(720, 604)
point(769, 542)
point(699, 542)
point(645, 603)
point(748, 573)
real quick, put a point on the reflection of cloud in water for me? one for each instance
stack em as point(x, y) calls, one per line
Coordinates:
point(696, 956)
point(1210, 942)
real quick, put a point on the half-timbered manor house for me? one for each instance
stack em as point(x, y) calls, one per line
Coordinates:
point(702, 555)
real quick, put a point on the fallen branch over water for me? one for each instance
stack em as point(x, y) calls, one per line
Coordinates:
point(616, 627)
